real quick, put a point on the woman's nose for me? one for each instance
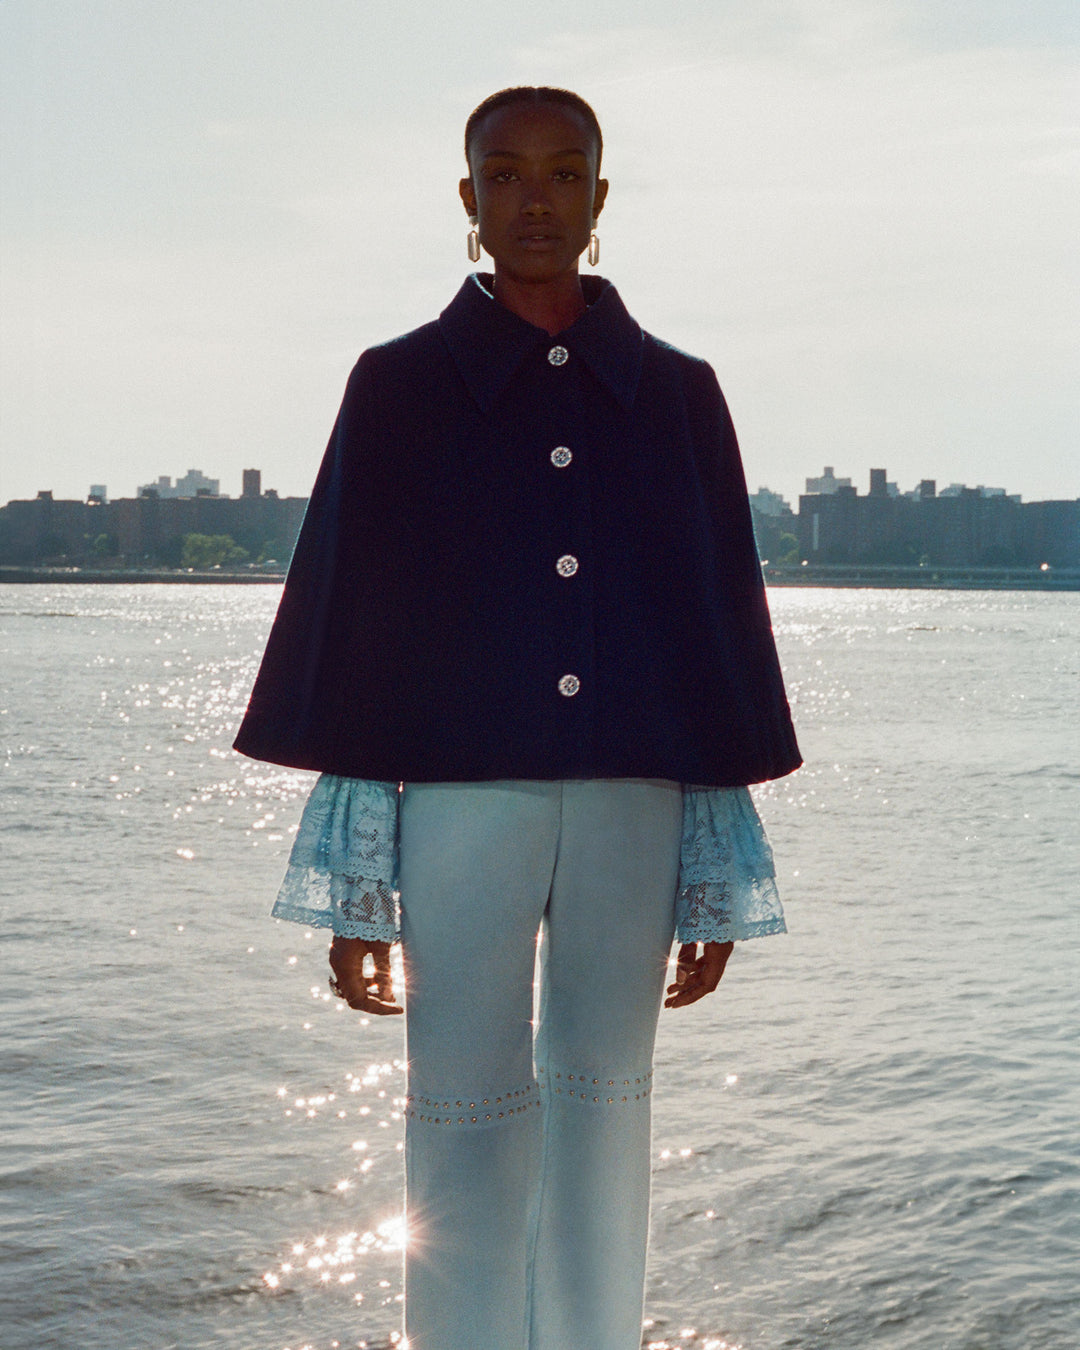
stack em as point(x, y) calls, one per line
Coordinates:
point(535, 202)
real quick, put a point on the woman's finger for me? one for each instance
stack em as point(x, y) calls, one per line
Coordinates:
point(380, 989)
point(685, 965)
point(695, 975)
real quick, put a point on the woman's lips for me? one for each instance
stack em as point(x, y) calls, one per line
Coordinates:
point(539, 242)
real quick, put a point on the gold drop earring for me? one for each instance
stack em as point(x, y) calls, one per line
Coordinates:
point(594, 247)
point(472, 241)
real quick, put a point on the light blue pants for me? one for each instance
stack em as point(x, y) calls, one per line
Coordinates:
point(528, 1164)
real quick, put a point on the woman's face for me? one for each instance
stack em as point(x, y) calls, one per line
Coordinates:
point(534, 190)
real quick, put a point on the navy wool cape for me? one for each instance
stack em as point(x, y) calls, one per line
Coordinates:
point(456, 565)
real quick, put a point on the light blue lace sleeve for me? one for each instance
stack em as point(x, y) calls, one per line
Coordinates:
point(343, 868)
point(727, 882)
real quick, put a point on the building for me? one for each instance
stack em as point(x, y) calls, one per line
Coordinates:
point(958, 490)
point(148, 529)
point(1050, 532)
point(775, 526)
point(44, 527)
point(827, 484)
point(968, 527)
point(768, 503)
point(193, 484)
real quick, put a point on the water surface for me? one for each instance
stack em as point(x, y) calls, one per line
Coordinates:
point(867, 1137)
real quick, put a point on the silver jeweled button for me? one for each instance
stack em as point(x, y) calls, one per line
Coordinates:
point(569, 685)
point(567, 565)
point(561, 456)
point(558, 356)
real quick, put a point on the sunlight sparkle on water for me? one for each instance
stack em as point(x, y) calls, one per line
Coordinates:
point(326, 1260)
point(689, 1337)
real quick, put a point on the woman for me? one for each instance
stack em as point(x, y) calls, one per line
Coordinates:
point(526, 591)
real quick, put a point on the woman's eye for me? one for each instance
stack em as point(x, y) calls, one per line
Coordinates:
point(504, 176)
point(565, 175)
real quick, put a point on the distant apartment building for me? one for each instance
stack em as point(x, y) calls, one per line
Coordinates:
point(193, 484)
point(775, 526)
point(149, 528)
point(768, 503)
point(958, 490)
point(827, 484)
point(43, 527)
point(962, 528)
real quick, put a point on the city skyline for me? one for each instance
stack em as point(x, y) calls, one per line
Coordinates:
point(861, 484)
point(862, 212)
point(834, 523)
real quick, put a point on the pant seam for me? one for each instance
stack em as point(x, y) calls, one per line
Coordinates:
point(540, 1069)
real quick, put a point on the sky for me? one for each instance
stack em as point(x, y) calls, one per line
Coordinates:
point(864, 213)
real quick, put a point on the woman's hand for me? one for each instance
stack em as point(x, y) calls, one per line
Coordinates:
point(372, 992)
point(696, 976)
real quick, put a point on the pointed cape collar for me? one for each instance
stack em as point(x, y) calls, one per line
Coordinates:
point(488, 341)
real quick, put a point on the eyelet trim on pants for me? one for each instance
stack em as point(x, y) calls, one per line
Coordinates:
point(482, 1111)
point(598, 1091)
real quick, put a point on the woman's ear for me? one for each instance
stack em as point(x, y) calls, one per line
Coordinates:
point(600, 196)
point(468, 196)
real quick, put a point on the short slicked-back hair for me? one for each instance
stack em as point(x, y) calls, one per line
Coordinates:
point(528, 93)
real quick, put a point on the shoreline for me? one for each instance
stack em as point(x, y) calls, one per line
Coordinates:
point(135, 576)
point(835, 575)
point(886, 576)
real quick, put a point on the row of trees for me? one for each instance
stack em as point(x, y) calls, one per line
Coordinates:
point(204, 551)
point(200, 551)
point(211, 550)
point(775, 541)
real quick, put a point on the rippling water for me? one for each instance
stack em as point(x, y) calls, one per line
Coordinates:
point(868, 1137)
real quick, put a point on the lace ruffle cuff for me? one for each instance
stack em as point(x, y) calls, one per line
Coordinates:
point(342, 871)
point(343, 868)
point(727, 881)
